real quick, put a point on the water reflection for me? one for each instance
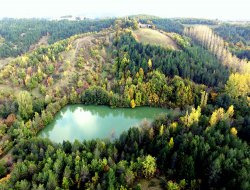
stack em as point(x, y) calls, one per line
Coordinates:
point(87, 122)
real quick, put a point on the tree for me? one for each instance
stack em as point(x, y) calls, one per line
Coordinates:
point(25, 105)
point(219, 115)
point(172, 186)
point(80, 62)
point(138, 98)
point(149, 166)
point(73, 95)
point(216, 116)
point(50, 68)
point(52, 181)
point(23, 185)
point(129, 177)
point(216, 45)
point(238, 85)
point(111, 179)
point(204, 95)
point(132, 103)
point(171, 143)
point(10, 119)
point(230, 111)
point(150, 64)
point(141, 73)
point(65, 183)
point(151, 133)
point(161, 131)
point(193, 117)
point(233, 131)
point(50, 81)
point(3, 169)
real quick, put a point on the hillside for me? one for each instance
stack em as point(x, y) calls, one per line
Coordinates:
point(203, 143)
point(64, 64)
point(154, 37)
point(18, 35)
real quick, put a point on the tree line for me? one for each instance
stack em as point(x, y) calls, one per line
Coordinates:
point(214, 43)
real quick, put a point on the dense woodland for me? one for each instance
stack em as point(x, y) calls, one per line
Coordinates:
point(203, 144)
point(17, 35)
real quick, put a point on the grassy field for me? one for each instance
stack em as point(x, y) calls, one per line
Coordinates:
point(154, 37)
point(151, 184)
point(42, 41)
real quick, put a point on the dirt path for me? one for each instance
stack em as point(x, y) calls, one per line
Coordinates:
point(7, 156)
point(71, 56)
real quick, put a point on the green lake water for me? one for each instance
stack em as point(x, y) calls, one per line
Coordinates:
point(83, 122)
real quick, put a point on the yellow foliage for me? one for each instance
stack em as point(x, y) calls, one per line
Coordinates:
point(220, 114)
point(204, 96)
point(69, 47)
point(95, 178)
point(216, 116)
point(39, 70)
point(173, 125)
point(123, 188)
point(193, 117)
point(248, 99)
point(132, 103)
point(214, 43)
point(5, 179)
point(161, 131)
point(230, 111)
point(238, 85)
point(137, 75)
point(24, 60)
point(141, 72)
point(149, 166)
point(131, 92)
point(45, 58)
point(150, 64)
point(27, 79)
point(233, 131)
point(171, 143)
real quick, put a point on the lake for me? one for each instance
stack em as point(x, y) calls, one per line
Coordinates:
point(83, 122)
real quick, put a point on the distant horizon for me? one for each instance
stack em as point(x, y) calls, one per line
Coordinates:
point(107, 17)
point(233, 10)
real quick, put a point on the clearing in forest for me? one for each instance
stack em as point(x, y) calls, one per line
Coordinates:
point(43, 41)
point(154, 37)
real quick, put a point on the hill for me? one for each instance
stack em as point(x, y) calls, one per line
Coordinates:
point(18, 35)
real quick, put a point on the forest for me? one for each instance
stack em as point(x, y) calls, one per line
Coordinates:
point(203, 144)
point(17, 35)
point(238, 38)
